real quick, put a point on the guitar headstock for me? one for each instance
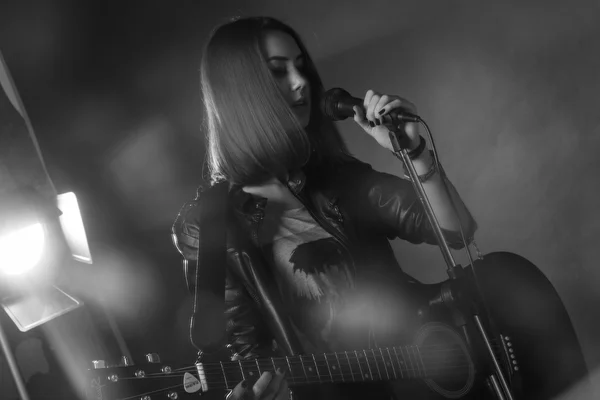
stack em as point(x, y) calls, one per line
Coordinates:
point(150, 380)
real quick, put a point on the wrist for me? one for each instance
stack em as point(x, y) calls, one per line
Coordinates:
point(417, 150)
point(425, 167)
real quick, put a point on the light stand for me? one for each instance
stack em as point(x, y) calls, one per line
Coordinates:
point(458, 293)
point(32, 300)
point(12, 365)
point(25, 182)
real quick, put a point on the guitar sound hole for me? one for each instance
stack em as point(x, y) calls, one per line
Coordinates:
point(446, 361)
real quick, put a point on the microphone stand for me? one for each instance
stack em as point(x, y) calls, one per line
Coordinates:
point(457, 294)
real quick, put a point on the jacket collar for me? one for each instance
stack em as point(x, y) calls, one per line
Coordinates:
point(249, 204)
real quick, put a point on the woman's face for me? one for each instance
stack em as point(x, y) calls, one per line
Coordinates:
point(286, 62)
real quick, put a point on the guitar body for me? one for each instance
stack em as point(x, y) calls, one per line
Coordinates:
point(525, 307)
point(529, 329)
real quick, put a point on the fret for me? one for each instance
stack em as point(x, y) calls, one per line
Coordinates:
point(368, 366)
point(418, 351)
point(384, 363)
point(303, 368)
point(350, 364)
point(399, 363)
point(224, 375)
point(317, 368)
point(242, 369)
point(392, 362)
point(311, 368)
point(362, 374)
point(415, 364)
point(251, 368)
point(412, 352)
point(264, 365)
point(232, 372)
point(328, 367)
point(340, 366)
point(258, 367)
point(412, 367)
point(293, 375)
point(376, 363)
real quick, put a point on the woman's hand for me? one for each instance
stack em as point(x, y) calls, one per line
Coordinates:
point(268, 387)
point(377, 106)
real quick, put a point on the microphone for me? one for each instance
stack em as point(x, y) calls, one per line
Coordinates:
point(336, 104)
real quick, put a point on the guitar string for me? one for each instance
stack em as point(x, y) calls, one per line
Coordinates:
point(321, 364)
point(210, 370)
point(221, 369)
point(448, 367)
point(293, 359)
point(224, 369)
point(321, 360)
point(220, 385)
point(151, 392)
point(495, 346)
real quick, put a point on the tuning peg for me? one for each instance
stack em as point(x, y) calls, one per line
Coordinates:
point(126, 361)
point(153, 358)
point(173, 396)
point(99, 364)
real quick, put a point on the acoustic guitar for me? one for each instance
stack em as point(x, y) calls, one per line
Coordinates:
point(536, 347)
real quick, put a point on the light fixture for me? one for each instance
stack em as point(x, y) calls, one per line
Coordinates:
point(38, 229)
point(30, 240)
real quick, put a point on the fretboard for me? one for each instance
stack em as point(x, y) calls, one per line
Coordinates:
point(353, 366)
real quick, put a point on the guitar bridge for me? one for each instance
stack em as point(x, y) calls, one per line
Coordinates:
point(509, 351)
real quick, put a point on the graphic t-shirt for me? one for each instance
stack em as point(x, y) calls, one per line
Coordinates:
point(315, 274)
point(332, 307)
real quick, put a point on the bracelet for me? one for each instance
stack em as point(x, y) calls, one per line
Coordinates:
point(425, 177)
point(416, 152)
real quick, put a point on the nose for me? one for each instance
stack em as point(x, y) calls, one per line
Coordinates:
point(297, 80)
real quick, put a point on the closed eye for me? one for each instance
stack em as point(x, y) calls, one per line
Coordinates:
point(278, 71)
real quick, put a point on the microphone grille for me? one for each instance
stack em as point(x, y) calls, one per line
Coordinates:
point(329, 103)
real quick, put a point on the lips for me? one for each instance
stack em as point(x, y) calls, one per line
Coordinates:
point(298, 103)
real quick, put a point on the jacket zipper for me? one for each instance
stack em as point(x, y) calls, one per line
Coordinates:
point(324, 224)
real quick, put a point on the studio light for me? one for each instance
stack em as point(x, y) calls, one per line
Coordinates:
point(29, 240)
point(40, 232)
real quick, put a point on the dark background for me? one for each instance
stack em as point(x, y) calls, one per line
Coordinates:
point(510, 90)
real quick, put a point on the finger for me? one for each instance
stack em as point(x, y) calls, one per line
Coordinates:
point(370, 93)
point(366, 102)
point(261, 384)
point(272, 390)
point(383, 101)
point(408, 106)
point(371, 107)
point(359, 115)
point(240, 392)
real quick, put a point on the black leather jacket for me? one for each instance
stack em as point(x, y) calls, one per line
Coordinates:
point(360, 207)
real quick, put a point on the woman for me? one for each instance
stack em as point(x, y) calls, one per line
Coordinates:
point(309, 262)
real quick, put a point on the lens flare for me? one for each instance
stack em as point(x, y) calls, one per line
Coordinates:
point(21, 250)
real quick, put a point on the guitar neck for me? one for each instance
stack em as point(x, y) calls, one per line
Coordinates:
point(352, 366)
